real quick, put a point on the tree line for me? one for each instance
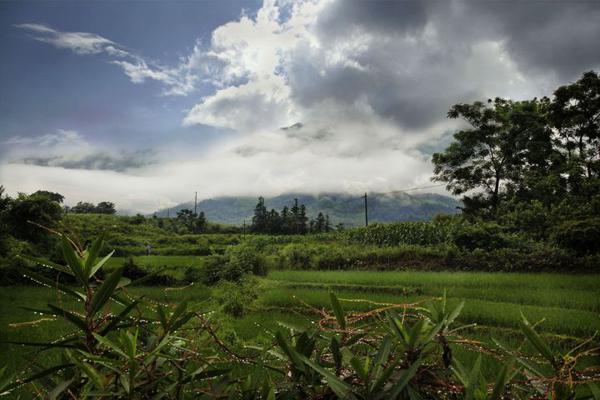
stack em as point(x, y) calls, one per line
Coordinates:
point(104, 207)
point(290, 221)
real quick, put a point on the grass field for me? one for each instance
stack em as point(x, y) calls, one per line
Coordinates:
point(158, 261)
point(569, 305)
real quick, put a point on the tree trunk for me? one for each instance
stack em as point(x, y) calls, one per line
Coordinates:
point(496, 189)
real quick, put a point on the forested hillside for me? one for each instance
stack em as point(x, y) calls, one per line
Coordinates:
point(341, 208)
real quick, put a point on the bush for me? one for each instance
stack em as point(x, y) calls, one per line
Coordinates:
point(236, 298)
point(297, 256)
point(212, 269)
point(481, 235)
point(243, 259)
point(135, 272)
point(582, 236)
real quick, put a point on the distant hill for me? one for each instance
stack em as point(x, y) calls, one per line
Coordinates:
point(343, 208)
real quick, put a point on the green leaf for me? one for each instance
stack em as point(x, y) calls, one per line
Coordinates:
point(289, 352)
point(48, 345)
point(118, 318)
point(405, 378)
point(105, 291)
point(434, 331)
point(359, 368)
point(92, 254)
point(415, 333)
point(381, 357)
point(398, 328)
point(595, 390)
point(335, 352)
point(305, 344)
point(383, 377)
point(455, 313)
point(60, 388)
point(460, 372)
point(181, 321)
point(291, 326)
point(179, 310)
point(339, 387)
point(89, 371)
point(537, 341)
point(338, 310)
point(473, 380)
point(69, 316)
point(100, 264)
point(5, 380)
point(52, 283)
point(46, 263)
point(130, 341)
point(39, 375)
point(162, 317)
point(110, 344)
point(73, 261)
point(502, 380)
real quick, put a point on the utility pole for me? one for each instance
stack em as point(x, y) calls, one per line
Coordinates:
point(366, 211)
point(244, 228)
point(168, 210)
point(195, 203)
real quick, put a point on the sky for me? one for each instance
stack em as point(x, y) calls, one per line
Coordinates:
point(145, 103)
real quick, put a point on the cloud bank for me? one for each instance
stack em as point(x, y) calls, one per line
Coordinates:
point(361, 87)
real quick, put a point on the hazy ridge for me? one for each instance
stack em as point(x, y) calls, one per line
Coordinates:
point(340, 207)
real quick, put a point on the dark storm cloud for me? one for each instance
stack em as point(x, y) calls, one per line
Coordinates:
point(424, 56)
point(97, 161)
point(342, 17)
point(547, 35)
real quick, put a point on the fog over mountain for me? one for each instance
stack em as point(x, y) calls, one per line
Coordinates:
point(341, 208)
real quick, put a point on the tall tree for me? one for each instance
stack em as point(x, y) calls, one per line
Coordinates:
point(294, 215)
point(320, 223)
point(259, 220)
point(273, 222)
point(486, 155)
point(575, 114)
point(106, 207)
point(83, 207)
point(286, 223)
point(302, 221)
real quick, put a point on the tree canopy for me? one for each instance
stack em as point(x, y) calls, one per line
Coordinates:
point(541, 149)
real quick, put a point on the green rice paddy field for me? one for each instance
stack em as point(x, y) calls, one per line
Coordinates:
point(567, 305)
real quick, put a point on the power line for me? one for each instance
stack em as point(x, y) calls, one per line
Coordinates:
point(412, 189)
point(366, 211)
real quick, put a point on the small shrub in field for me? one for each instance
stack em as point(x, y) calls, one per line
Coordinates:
point(297, 256)
point(212, 269)
point(236, 298)
point(242, 260)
